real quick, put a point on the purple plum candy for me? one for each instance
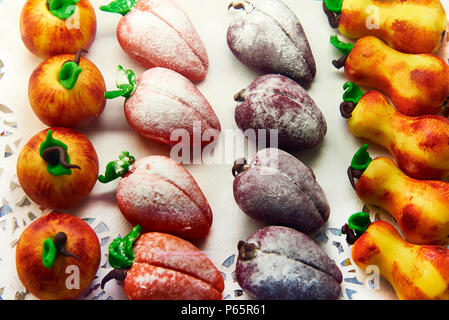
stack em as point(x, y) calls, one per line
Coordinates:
point(279, 263)
point(276, 102)
point(266, 35)
point(278, 189)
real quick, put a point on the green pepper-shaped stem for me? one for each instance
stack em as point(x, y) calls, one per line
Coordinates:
point(353, 92)
point(359, 163)
point(126, 82)
point(119, 6)
point(359, 222)
point(356, 226)
point(54, 246)
point(62, 9)
point(70, 71)
point(117, 168)
point(121, 255)
point(342, 46)
point(351, 97)
point(361, 158)
point(334, 5)
point(55, 153)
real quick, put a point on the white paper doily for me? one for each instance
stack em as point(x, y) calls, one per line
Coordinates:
point(226, 76)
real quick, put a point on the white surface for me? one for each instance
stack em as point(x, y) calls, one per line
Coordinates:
point(111, 134)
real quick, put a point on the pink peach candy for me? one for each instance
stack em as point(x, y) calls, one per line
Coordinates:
point(158, 33)
point(160, 195)
point(165, 101)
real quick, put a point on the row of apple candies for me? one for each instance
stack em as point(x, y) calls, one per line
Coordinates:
point(418, 86)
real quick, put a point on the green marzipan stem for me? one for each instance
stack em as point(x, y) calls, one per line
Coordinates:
point(334, 5)
point(57, 169)
point(126, 82)
point(121, 255)
point(361, 159)
point(70, 71)
point(342, 46)
point(49, 253)
point(62, 9)
point(353, 92)
point(119, 6)
point(359, 222)
point(117, 168)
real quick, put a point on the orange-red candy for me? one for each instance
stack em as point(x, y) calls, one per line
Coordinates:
point(169, 268)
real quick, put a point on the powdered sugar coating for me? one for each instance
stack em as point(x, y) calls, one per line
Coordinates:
point(278, 189)
point(276, 102)
point(173, 253)
point(287, 264)
point(167, 267)
point(161, 195)
point(158, 33)
point(267, 35)
point(165, 101)
point(149, 282)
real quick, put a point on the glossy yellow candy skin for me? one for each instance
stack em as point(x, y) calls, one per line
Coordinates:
point(416, 272)
point(417, 84)
point(412, 26)
point(421, 207)
point(419, 145)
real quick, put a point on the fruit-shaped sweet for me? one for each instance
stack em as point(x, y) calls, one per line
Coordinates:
point(419, 145)
point(417, 84)
point(278, 189)
point(158, 33)
point(57, 256)
point(160, 195)
point(412, 26)
point(67, 91)
point(416, 272)
point(421, 207)
point(275, 102)
point(162, 102)
point(57, 168)
point(159, 266)
point(52, 27)
point(279, 263)
point(267, 36)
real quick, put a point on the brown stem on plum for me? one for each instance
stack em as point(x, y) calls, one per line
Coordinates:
point(346, 109)
point(354, 174)
point(236, 5)
point(60, 239)
point(340, 63)
point(351, 236)
point(57, 155)
point(247, 251)
point(239, 166)
point(117, 274)
point(332, 17)
point(240, 96)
